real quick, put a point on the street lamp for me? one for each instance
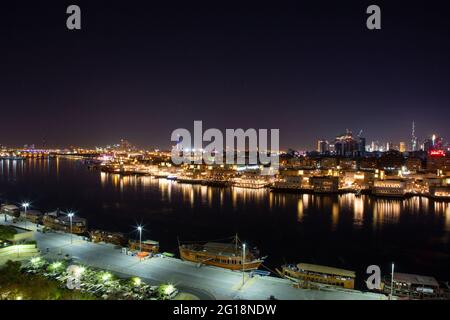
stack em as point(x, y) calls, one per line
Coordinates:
point(70, 215)
point(243, 263)
point(140, 238)
point(392, 281)
point(25, 206)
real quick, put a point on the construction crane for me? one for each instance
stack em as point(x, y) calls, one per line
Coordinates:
point(360, 133)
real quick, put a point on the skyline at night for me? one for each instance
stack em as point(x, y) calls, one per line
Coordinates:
point(139, 72)
point(226, 153)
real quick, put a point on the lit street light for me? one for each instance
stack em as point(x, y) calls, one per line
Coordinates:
point(25, 206)
point(243, 263)
point(70, 215)
point(140, 238)
point(392, 281)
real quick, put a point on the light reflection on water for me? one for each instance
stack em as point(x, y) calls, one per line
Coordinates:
point(288, 227)
point(381, 211)
point(365, 211)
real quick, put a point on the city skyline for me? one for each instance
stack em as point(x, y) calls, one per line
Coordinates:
point(370, 145)
point(234, 152)
point(139, 72)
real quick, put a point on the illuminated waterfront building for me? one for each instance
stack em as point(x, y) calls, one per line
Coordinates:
point(325, 184)
point(389, 187)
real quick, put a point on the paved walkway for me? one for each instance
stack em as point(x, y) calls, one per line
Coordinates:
point(205, 282)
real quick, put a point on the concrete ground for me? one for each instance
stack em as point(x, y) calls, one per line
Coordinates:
point(205, 282)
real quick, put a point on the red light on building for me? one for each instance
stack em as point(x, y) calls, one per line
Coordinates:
point(437, 153)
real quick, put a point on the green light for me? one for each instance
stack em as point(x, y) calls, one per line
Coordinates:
point(137, 281)
point(56, 265)
point(168, 289)
point(106, 276)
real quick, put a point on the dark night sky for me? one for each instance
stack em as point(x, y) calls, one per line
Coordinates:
point(140, 69)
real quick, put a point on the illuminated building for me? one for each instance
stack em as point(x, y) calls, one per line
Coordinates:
point(413, 138)
point(402, 147)
point(322, 146)
point(440, 192)
point(413, 164)
point(357, 179)
point(389, 188)
point(369, 163)
point(361, 146)
point(347, 164)
point(346, 145)
point(328, 163)
point(293, 180)
point(391, 160)
point(438, 160)
point(325, 184)
point(433, 143)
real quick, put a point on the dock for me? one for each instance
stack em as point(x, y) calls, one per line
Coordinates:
point(206, 282)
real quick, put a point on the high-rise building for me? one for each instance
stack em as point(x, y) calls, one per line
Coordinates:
point(346, 145)
point(389, 146)
point(362, 146)
point(322, 146)
point(437, 142)
point(433, 143)
point(124, 146)
point(414, 146)
point(402, 147)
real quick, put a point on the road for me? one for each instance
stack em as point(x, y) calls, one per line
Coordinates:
point(206, 282)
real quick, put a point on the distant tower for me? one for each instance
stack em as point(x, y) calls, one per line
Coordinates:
point(179, 146)
point(413, 138)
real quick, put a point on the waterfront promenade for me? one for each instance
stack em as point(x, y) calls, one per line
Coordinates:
point(206, 282)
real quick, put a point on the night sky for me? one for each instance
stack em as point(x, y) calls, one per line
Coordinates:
point(140, 69)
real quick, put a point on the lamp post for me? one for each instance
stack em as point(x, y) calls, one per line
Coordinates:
point(243, 264)
point(70, 215)
point(25, 206)
point(392, 281)
point(140, 238)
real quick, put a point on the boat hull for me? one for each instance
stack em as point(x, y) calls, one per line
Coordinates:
point(217, 261)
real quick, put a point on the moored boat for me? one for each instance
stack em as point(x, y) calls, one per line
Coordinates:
point(11, 210)
point(251, 182)
point(12, 158)
point(35, 216)
point(108, 237)
point(148, 246)
point(233, 256)
point(414, 287)
point(305, 274)
point(57, 220)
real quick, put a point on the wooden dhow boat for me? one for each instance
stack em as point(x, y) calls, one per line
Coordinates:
point(233, 255)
